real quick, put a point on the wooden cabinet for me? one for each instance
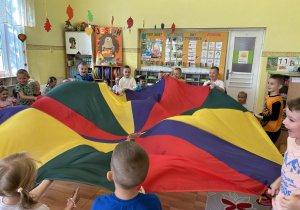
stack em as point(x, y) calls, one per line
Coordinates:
point(79, 47)
point(9, 83)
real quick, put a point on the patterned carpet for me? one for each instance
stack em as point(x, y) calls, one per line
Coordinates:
point(232, 201)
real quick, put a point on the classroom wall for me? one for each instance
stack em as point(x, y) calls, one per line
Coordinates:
point(277, 16)
point(45, 50)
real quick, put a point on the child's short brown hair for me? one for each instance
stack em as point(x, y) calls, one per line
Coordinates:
point(23, 71)
point(82, 63)
point(126, 67)
point(279, 78)
point(142, 78)
point(215, 68)
point(3, 88)
point(129, 164)
point(294, 104)
point(243, 93)
point(34, 83)
point(178, 69)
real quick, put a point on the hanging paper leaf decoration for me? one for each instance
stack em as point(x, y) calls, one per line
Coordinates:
point(143, 36)
point(173, 28)
point(90, 16)
point(162, 26)
point(47, 25)
point(155, 27)
point(22, 37)
point(112, 20)
point(88, 30)
point(70, 12)
point(130, 22)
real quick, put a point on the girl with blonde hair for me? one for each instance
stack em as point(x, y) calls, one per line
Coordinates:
point(18, 173)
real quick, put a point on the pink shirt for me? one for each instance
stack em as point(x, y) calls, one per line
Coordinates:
point(5, 103)
point(290, 173)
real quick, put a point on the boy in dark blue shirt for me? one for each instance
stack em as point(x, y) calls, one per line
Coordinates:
point(83, 73)
point(129, 167)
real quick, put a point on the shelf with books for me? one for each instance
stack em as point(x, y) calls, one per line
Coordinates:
point(190, 78)
point(79, 48)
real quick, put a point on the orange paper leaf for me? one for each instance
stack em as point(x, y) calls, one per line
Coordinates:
point(112, 20)
point(173, 28)
point(47, 25)
point(70, 12)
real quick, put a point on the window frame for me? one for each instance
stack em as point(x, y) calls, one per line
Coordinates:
point(14, 54)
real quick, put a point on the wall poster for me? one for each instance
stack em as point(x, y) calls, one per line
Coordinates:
point(184, 48)
point(108, 45)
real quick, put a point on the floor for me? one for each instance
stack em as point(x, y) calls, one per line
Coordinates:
point(58, 192)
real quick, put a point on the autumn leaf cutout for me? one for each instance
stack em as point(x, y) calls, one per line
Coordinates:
point(129, 22)
point(47, 25)
point(173, 28)
point(70, 12)
point(90, 16)
point(112, 21)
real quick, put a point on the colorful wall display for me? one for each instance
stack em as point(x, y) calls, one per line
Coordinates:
point(283, 63)
point(201, 49)
point(108, 45)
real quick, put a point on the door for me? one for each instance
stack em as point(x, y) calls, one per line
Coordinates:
point(243, 64)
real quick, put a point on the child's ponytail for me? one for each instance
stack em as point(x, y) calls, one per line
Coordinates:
point(26, 200)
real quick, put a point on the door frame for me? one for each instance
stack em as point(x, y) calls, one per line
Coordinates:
point(263, 31)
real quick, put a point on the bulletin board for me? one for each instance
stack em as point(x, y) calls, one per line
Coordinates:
point(108, 45)
point(184, 49)
point(283, 64)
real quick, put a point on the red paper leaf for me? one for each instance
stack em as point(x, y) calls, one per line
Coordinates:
point(70, 12)
point(173, 28)
point(130, 22)
point(47, 25)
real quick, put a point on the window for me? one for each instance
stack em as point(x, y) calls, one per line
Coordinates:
point(12, 57)
point(1, 57)
point(14, 15)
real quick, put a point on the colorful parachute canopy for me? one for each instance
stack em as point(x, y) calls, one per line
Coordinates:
point(197, 139)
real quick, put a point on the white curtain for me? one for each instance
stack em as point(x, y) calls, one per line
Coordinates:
point(13, 57)
point(17, 12)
